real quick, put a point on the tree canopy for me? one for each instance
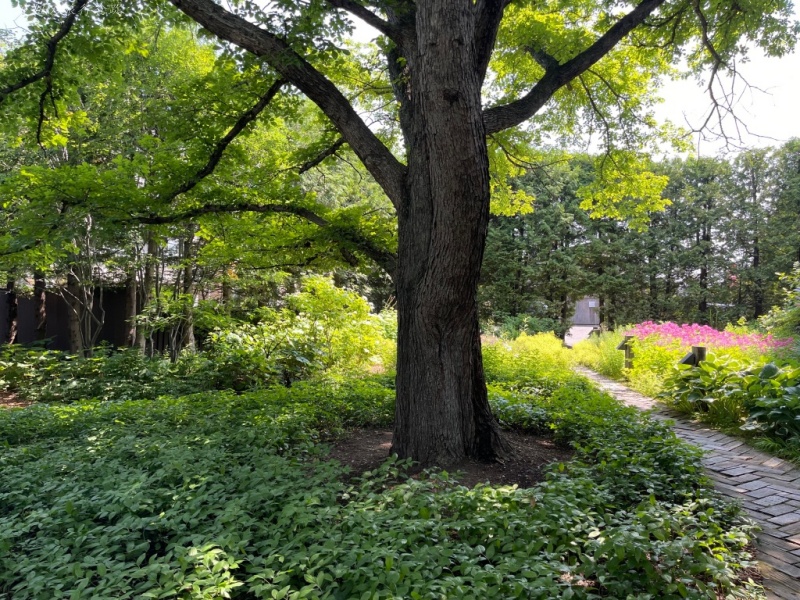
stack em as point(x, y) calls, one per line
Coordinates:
point(432, 109)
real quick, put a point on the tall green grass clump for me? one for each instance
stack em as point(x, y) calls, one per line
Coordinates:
point(600, 354)
point(527, 358)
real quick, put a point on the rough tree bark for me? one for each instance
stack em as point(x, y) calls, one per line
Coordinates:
point(441, 195)
point(442, 409)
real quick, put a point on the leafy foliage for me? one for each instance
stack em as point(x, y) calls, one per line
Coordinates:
point(52, 376)
point(217, 495)
point(713, 388)
point(600, 353)
point(784, 319)
point(528, 357)
point(322, 329)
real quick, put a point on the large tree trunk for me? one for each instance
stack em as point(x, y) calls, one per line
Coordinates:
point(442, 413)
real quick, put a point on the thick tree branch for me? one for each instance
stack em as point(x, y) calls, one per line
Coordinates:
point(379, 161)
point(383, 258)
point(490, 13)
point(243, 121)
point(369, 17)
point(51, 47)
point(514, 113)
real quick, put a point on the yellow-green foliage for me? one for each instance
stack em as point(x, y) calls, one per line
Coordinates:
point(324, 331)
point(527, 357)
point(346, 336)
point(653, 360)
point(600, 354)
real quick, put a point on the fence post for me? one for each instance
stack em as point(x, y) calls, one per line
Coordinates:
point(628, 348)
point(695, 357)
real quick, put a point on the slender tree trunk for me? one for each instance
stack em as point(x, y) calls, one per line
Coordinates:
point(146, 288)
point(652, 283)
point(227, 291)
point(565, 315)
point(704, 260)
point(131, 293)
point(12, 311)
point(74, 315)
point(442, 413)
point(758, 288)
point(187, 337)
point(40, 303)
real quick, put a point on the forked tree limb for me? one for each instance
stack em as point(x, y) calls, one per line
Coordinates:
point(388, 172)
point(51, 48)
point(369, 17)
point(502, 117)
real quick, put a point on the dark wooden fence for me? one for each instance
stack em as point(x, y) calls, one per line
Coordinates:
point(113, 331)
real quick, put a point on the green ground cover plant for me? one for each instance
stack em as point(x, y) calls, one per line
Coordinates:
point(124, 374)
point(218, 494)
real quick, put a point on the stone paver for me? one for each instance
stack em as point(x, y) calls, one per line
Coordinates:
point(768, 488)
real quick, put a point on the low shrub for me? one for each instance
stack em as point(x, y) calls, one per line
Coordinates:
point(714, 389)
point(757, 398)
point(772, 399)
point(510, 327)
point(125, 374)
point(527, 358)
point(599, 353)
point(324, 330)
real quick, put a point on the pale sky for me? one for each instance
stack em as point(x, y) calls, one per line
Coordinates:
point(767, 108)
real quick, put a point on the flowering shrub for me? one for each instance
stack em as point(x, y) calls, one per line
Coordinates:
point(703, 335)
point(657, 348)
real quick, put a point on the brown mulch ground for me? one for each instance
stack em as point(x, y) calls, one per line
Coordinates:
point(365, 449)
point(10, 400)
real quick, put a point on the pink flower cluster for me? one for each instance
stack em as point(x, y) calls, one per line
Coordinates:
point(703, 335)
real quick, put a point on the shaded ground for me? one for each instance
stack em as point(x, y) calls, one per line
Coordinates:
point(365, 449)
point(10, 400)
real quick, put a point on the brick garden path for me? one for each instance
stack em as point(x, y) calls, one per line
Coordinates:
point(768, 488)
